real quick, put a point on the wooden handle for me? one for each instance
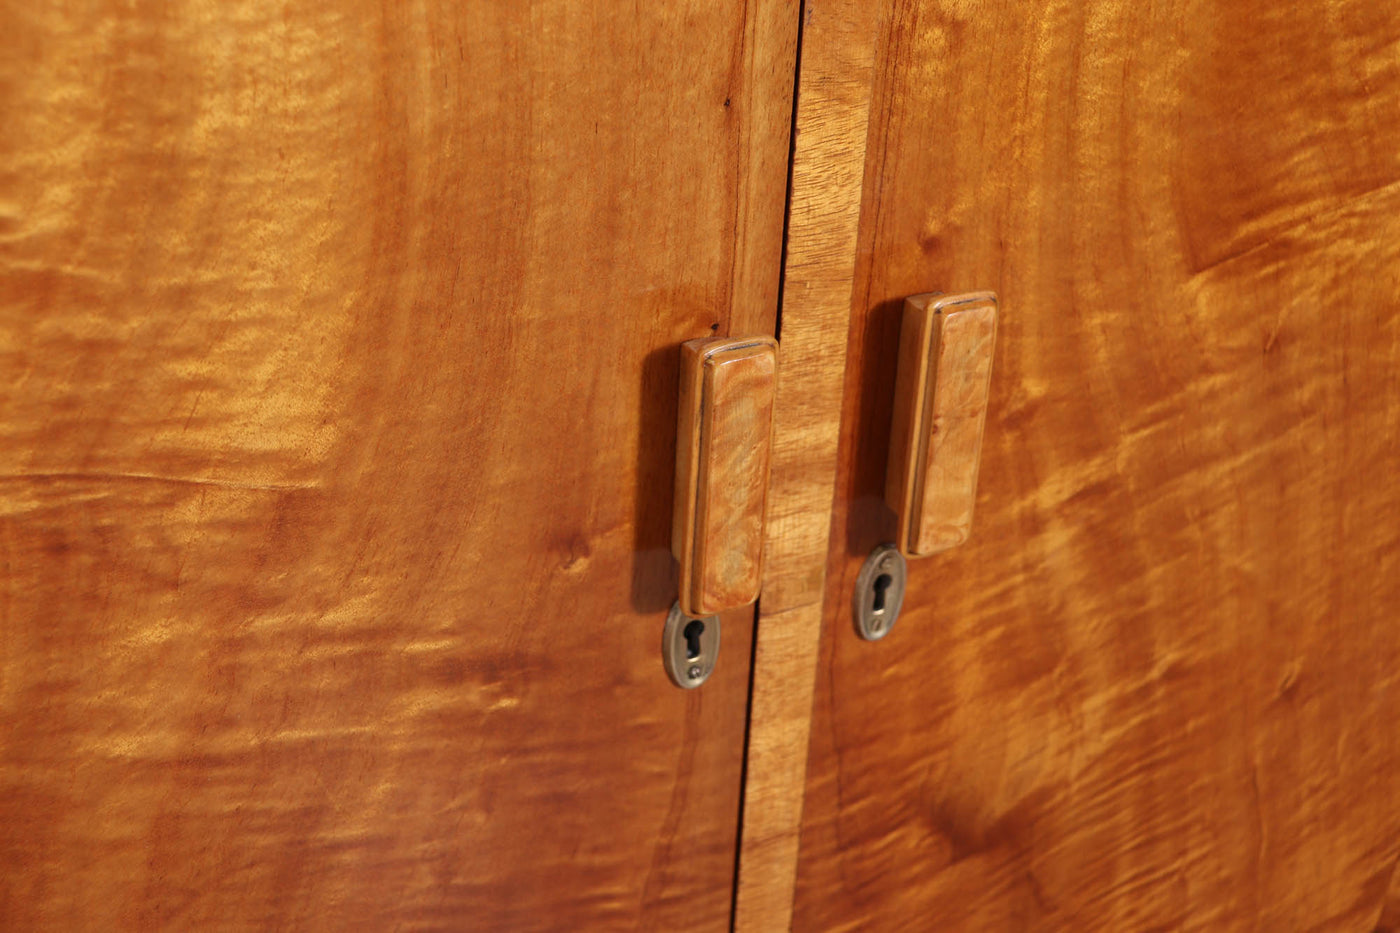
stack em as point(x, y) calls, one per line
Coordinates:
point(940, 408)
point(722, 452)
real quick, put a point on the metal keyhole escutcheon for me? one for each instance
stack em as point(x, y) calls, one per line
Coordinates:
point(689, 647)
point(880, 592)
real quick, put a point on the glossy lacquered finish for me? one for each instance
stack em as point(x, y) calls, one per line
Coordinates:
point(722, 455)
point(1157, 687)
point(940, 411)
point(820, 260)
point(338, 448)
point(337, 442)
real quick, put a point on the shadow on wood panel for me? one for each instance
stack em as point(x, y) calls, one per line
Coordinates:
point(871, 521)
point(653, 567)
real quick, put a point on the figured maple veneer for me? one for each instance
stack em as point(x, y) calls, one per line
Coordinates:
point(838, 56)
point(326, 551)
point(940, 409)
point(1156, 689)
point(722, 455)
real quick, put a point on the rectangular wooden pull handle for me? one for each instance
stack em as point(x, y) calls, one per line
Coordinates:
point(722, 451)
point(940, 409)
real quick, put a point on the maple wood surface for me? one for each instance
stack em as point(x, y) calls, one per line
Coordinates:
point(1158, 688)
point(838, 41)
point(336, 456)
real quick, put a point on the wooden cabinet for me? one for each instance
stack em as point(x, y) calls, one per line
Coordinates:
point(1156, 689)
point(339, 443)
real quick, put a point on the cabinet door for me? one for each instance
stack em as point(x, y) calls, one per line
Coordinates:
point(1157, 688)
point(336, 454)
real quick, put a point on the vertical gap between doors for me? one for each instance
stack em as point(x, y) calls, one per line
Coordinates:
point(777, 333)
point(792, 150)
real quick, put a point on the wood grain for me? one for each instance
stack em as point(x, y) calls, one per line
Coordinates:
point(723, 441)
point(828, 151)
point(939, 413)
point(1157, 689)
point(334, 568)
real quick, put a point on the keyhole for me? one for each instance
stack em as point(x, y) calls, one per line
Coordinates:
point(878, 593)
point(692, 633)
point(882, 583)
